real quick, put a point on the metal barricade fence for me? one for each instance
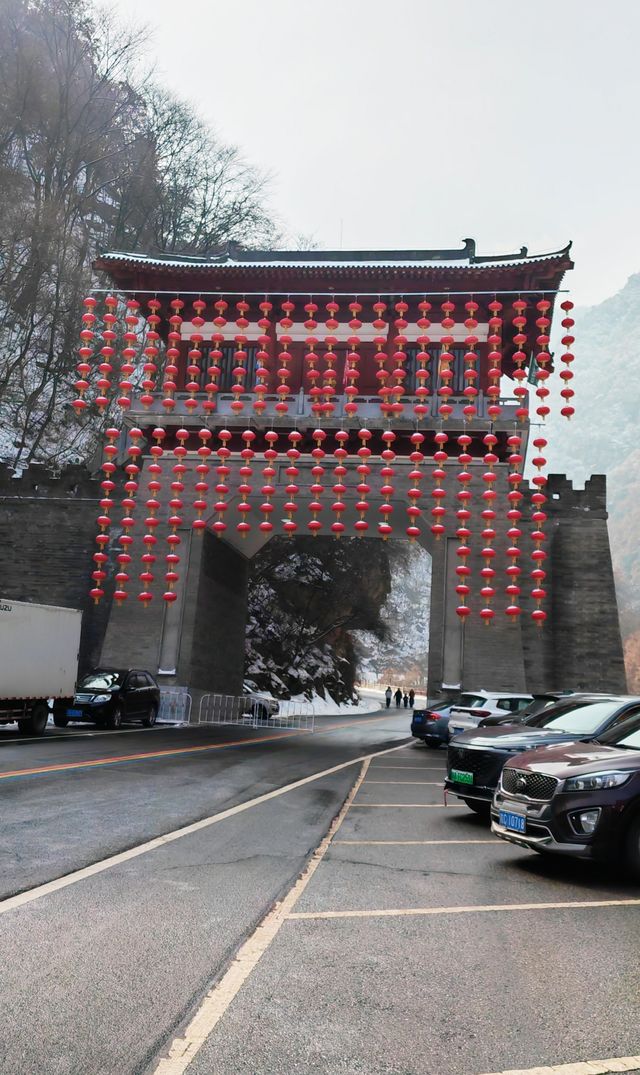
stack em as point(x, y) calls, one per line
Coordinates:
point(175, 705)
point(221, 709)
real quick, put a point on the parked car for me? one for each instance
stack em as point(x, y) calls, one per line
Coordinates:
point(109, 696)
point(540, 702)
point(581, 800)
point(258, 704)
point(432, 724)
point(475, 759)
point(477, 705)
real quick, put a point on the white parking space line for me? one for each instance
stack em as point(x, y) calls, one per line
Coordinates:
point(586, 1067)
point(407, 806)
point(184, 1048)
point(403, 912)
point(22, 898)
point(412, 783)
point(422, 768)
point(403, 843)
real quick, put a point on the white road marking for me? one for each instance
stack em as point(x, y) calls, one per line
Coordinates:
point(400, 843)
point(424, 783)
point(586, 1067)
point(422, 768)
point(398, 912)
point(89, 734)
point(22, 898)
point(407, 806)
point(183, 1049)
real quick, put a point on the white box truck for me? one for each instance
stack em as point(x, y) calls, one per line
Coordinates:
point(39, 647)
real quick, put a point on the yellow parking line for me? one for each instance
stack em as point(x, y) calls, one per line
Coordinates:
point(586, 1067)
point(402, 912)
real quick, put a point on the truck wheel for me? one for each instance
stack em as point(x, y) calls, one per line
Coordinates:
point(632, 848)
point(150, 719)
point(114, 720)
point(37, 722)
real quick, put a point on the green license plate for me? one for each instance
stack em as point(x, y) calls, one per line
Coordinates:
point(461, 777)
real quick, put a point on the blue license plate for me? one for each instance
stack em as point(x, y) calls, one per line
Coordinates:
point(418, 720)
point(514, 822)
point(74, 712)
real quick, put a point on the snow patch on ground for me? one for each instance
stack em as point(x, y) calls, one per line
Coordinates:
point(327, 707)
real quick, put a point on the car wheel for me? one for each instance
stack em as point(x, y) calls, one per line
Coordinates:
point(150, 720)
point(60, 720)
point(632, 848)
point(480, 808)
point(261, 712)
point(433, 744)
point(114, 720)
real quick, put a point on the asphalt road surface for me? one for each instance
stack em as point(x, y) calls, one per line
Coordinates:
point(378, 962)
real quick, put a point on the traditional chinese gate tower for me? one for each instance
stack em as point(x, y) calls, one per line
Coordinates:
point(353, 393)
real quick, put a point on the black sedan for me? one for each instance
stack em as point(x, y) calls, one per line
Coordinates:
point(475, 758)
point(109, 696)
point(581, 800)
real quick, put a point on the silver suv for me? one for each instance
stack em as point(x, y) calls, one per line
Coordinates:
point(474, 706)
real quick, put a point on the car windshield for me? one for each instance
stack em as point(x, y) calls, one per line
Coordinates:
point(471, 701)
point(101, 681)
point(581, 719)
point(625, 735)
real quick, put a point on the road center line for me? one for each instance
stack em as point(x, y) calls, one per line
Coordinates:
point(403, 912)
point(22, 898)
point(183, 1049)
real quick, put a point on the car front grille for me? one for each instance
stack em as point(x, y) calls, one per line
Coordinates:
point(484, 764)
point(531, 785)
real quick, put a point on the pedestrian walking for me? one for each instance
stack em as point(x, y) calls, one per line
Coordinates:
point(388, 694)
point(412, 698)
point(398, 698)
point(406, 700)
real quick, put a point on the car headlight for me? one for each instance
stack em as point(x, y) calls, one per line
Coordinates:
point(100, 698)
point(596, 781)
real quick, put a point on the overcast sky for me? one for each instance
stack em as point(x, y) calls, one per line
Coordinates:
point(416, 123)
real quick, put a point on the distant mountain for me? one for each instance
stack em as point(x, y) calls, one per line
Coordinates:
point(603, 438)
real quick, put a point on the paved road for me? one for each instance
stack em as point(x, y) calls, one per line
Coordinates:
point(360, 975)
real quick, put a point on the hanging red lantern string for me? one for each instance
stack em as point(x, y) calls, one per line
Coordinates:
point(175, 519)
point(352, 361)
point(421, 408)
point(330, 376)
point(222, 489)
point(312, 359)
point(149, 540)
point(387, 489)
point(194, 357)
point(399, 358)
point(261, 386)
point(463, 533)
point(494, 359)
point(87, 335)
point(214, 371)
point(489, 495)
point(202, 485)
point(132, 470)
point(415, 492)
point(239, 387)
point(567, 357)
point(438, 494)
point(520, 359)
point(380, 357)
point(104, 519)
point(445, 391)
point(543, 357)
point(316, 489)
point(268, 489)
point(538, 518)
point(363, 488)
point(245, 490)
point(284, 357)
point(150, 353)
point(173, 354)
point(130, 339)
point(107, 351)
point(339, 489)
point(470, 390)
point(292, 488)
point(514, 533)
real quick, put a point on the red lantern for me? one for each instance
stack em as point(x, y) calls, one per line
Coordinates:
point(173, 354)
point(292, 488)
point(543, 357)
point(317, 473)
point(261, 386)
point(352, 360)
point(421, 408)
point(246, 473)
point(130, 340)
point(87, 335)
point(415, 492)
point(470, 390)
point(438, 493)
point(567, 357)
point(214, 371)
point(202, 485)
point(514, 533)
point(268, 474)
point(285, 358)
point(445, 391)
point(494, 359)
point(380, 356)
point(363, 487)
point(520, 359)
point(151, 351)
point(399, 359)
point(194, 357)
point(387, 490)
point(339, 489)
point(240, 357)
point(222, 489)
point(107, 351)
point(330, 373)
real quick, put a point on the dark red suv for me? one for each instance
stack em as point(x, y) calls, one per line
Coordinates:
point(581, 799)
